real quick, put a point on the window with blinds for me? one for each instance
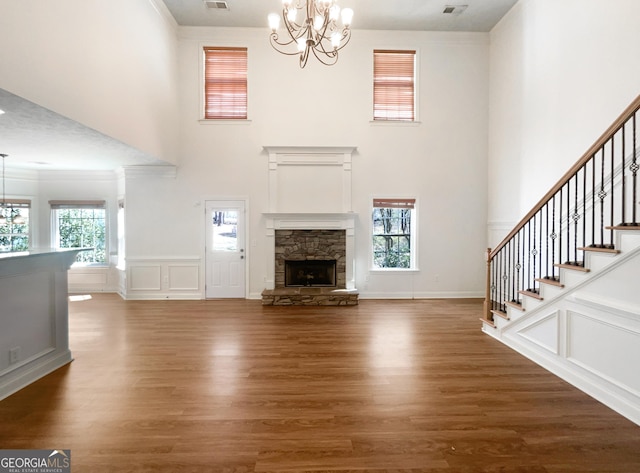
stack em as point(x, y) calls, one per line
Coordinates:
point(225, 83)
point(81, 224)
point(394, 90)
point(393, 244)
point(14, 227)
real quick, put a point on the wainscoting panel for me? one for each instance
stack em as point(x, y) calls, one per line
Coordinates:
point(145, 278)
point(544, 332)
point(605, 349)
point(151, 278)
point(93, 279)
point(184, 277)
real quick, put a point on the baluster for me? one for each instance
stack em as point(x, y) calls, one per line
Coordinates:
point(546, 229)
point(611, 217)
point(575, 217)
point(569, 223)
point(510, 288)
point(518, 263)
point(534, 253)
point(584, 206)
point(634, 169)
point(528, 254)
point(553, 237)
point(602, 194)
point(593, 200)
point(539, 250)
point(494, 287)
point(560, 226)
point(623, 189)
point(502, 292)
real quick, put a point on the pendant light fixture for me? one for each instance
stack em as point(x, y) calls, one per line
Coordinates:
point(17, 219)
point(315, 27)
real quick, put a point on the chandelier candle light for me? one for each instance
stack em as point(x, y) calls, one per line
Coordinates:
point(312, 26)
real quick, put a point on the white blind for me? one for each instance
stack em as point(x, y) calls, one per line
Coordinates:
point(394, 203)
point(225, 83)
point(394, 85)
point(77, 204)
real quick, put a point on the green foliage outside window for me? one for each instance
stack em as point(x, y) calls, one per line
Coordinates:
point(392, 238)
point(83, 228)
point(14, 236)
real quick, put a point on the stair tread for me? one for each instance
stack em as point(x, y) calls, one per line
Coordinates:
point(499, 313)
point(488, 322)
point(515, 305)
point(599, 250)
point(551, 281)
point(621, 226)
point(574, 267)
point(533, 294)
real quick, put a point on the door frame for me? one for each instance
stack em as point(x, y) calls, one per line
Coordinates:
point(203, 239)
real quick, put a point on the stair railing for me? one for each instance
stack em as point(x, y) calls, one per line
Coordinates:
point(578, 214)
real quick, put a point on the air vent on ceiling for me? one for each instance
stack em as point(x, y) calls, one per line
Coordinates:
point(217, 5)
point(454, 9)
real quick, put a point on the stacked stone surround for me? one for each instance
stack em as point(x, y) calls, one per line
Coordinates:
point(302, 245)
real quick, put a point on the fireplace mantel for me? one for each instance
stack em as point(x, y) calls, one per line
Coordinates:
point(310, 189)
point(315, 179)
point(310, 221)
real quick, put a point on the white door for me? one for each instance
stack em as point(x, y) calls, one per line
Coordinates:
point(225, 255)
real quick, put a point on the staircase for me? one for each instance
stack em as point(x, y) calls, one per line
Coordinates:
point(563, 288)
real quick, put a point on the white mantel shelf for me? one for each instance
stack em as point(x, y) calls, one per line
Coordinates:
point(310, 221)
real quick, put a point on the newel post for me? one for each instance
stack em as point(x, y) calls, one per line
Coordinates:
point(487, 294)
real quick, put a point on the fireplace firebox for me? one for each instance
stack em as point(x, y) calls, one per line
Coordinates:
point(310, 273)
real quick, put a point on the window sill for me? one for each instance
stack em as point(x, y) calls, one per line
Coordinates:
point(213, 121)
point(89, 266)
point(393, 270)
point(400, 123)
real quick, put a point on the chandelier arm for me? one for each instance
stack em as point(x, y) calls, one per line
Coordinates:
point(304, 56)
point(322, 57)
point(275, 42)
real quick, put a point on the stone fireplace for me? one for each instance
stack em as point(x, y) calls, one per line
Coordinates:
point(311, 256)
point(312, 237)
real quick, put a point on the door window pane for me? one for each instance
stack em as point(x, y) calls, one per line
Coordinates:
point(225, 226)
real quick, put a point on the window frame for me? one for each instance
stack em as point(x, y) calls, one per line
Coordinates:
point(396, 203)
point(18, 204)
point(230, 117)
point(56, 205)
point(390, 119)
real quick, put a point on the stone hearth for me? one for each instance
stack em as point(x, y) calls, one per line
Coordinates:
point(309, 296)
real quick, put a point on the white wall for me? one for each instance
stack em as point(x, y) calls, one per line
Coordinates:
point(441, 161)
point(108, 65)
point(561, 72)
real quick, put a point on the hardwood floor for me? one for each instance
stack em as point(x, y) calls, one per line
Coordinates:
point(232, 386)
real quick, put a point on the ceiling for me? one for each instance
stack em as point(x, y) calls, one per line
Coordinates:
point(37, 138)
point(415, 15)
point(34, 137)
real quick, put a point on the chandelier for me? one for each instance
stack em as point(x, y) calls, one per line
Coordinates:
point(17, 219)
point(312, 26)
